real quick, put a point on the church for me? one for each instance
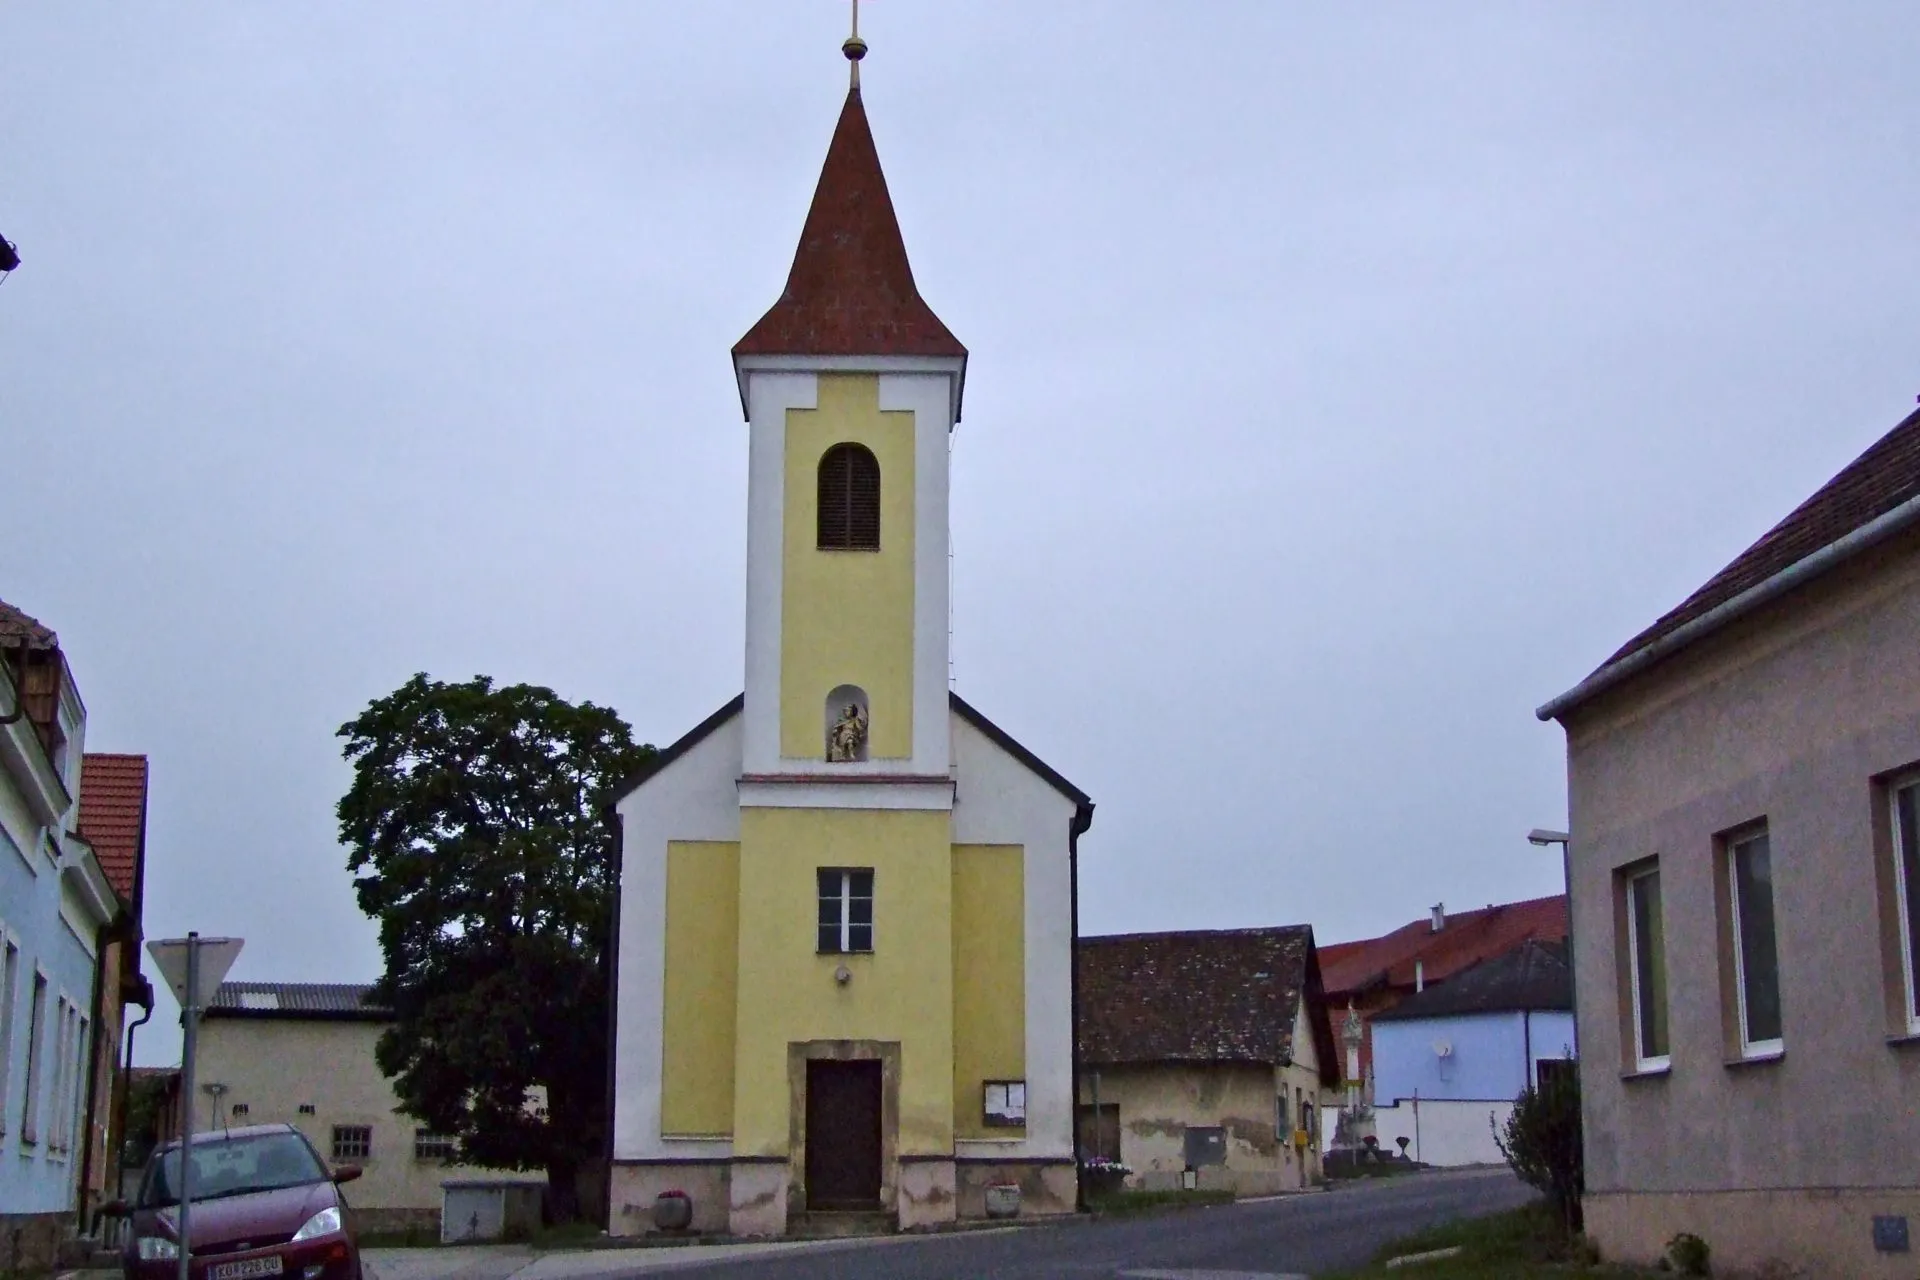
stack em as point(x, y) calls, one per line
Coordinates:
point(847, 899)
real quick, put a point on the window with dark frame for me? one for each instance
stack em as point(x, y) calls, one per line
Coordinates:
point(1756, 959)
point(1004, 1104)
point(846, 910)
point(1549, 1071)
point(1906, 884)
point(1647, 965)
point(352, 1141)
point(428, 1145)
point(849, 499)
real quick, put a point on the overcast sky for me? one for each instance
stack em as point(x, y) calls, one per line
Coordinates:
point(1346, 381)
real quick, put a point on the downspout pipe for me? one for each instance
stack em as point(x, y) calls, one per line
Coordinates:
point(611, 960)
point(102, 938)
point(1796, 574)
point(1082, 819)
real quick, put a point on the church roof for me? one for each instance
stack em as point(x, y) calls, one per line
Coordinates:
point(851, 290)
point(960, 707)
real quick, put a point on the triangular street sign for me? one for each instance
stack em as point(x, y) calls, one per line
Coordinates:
point(216, 957)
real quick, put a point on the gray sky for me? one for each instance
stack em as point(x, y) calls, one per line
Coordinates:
point(1346, 381)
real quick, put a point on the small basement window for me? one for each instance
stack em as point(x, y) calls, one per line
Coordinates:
point(428, 1145)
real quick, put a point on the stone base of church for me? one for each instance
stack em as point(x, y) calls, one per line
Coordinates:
point(635, 1187)
point(758, 1199)
point(1047, 1187)
point(925, 1193)
point(750, 1197)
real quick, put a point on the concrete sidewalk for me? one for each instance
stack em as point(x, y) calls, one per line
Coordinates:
point(501, 1262)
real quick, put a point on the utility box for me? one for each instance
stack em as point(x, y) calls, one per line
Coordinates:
point(478, 1209)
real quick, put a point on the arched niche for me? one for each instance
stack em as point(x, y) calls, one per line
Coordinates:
point(846, 724)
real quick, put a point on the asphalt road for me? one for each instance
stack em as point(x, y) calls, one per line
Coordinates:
point(1290, 1236)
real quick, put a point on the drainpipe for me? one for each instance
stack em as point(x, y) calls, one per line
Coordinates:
point(611, 962)
point(101, 937)
point(126, 1090)
point(1082, 819)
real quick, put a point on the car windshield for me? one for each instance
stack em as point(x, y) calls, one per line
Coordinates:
point(234, 1167)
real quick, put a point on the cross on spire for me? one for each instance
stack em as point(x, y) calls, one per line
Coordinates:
point(855, 48)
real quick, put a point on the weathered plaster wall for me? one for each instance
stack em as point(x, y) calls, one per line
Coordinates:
point(1789, 716)
point(1159, 1103)
point(273, 1067)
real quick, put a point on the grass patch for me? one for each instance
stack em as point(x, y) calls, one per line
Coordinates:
point(413, 1238)
point(1521, 1245)
point(1124, 1204)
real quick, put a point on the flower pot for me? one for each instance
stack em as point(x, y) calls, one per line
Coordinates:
point(673, 1211)
point(1003, 1200)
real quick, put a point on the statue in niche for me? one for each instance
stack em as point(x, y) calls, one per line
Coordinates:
point(848, 737)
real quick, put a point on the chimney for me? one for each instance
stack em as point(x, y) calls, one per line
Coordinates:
point(1439, 916)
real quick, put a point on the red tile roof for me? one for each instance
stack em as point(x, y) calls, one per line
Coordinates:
point(1469, 937)
point(113, 816)
point(851, 290)
point(1876, 482)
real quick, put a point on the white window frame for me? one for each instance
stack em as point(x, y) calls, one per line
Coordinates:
point(1749, 1047)
point(77, 1091)
point(9, 984)
point(35, 1082)
point(847, 897)
point(1642, 1060)
point(1904, 891)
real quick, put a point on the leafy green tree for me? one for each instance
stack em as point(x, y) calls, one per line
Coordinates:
point(1543, 1143)
point(477, 837)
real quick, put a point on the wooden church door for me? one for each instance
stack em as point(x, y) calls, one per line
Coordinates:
point(843, 1134)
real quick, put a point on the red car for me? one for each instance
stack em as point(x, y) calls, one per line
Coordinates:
point(264, 1204)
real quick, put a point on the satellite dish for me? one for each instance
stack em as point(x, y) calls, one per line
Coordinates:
point(1442, 1049)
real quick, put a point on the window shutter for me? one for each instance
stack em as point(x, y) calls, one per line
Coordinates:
point(849, 492)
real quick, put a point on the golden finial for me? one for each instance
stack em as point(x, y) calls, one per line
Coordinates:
point(855, 48)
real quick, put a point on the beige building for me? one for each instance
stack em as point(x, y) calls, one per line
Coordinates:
point(302, 1053)
point(1208, 1052)
point(1744, 792)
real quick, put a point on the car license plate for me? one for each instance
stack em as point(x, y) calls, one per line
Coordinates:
point(245, 1268)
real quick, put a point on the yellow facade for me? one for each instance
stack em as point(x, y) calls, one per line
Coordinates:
point(847, 616)
point(989, 978)
point(703, 933)
point(901, 992)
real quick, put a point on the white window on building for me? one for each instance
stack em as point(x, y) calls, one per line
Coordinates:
point(76, 1093)
point(1756, 957)
point(1647, 969)
point(57, 1095)
point(352, 1141)
point(1906, 885)
point(428, 1145)
point(846, 910)
point(36, 1039)
point(9, 996)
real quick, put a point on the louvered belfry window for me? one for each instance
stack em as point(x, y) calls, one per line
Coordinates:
point(849, 499)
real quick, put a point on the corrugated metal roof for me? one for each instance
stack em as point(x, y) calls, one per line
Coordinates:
point(344, 1001)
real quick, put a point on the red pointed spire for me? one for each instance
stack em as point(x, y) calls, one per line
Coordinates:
point(851, 290)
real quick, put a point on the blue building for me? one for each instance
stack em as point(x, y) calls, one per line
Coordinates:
point(1449, 1061)
point(56, 912)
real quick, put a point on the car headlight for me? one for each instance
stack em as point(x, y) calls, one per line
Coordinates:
point(156, 1248)
point(324, 1223)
